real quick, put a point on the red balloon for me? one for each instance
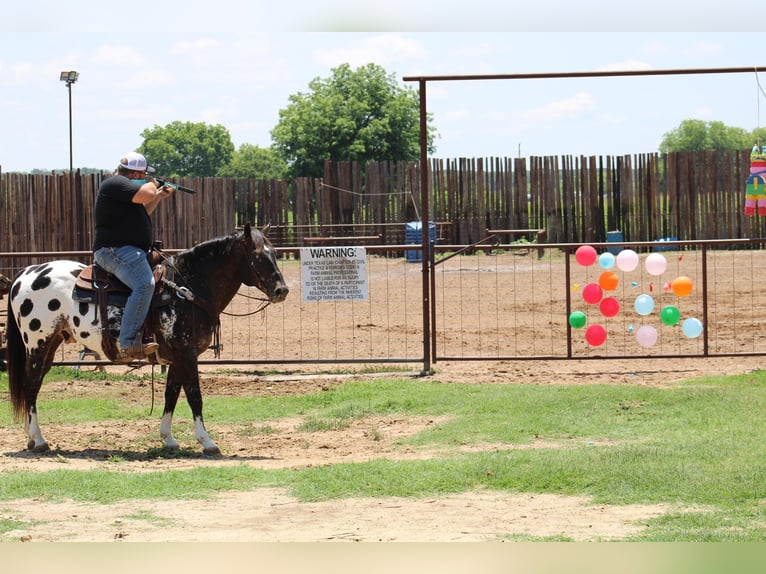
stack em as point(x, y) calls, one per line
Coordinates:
point(609, 307)
point(586, 255)
point(595, 335)
point(592, 293)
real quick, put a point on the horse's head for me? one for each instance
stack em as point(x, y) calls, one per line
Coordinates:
point(262, 270)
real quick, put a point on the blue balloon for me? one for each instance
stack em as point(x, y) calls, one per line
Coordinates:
point(606, 260)
point(644, 304)
point(692, 328)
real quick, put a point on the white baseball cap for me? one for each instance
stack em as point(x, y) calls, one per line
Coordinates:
point(134, 161)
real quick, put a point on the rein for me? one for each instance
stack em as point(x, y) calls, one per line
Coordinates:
point(189, 295)
point(264, 303)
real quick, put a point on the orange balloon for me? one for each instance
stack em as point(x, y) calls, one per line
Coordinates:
point(608, 280)
point(681, 286)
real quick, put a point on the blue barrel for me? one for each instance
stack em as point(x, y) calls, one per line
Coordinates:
point(413, 235)
point(614, 237)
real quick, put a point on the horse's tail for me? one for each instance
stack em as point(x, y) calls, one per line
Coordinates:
point(16, 359)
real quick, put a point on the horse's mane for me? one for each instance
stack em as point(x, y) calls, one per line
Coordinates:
point(219, 247)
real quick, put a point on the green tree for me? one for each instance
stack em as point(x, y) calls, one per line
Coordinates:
point(186, 149)
point(251, 161)
point(356, 115)
point(693, 135)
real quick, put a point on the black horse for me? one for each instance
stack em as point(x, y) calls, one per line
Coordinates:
point(43, 313)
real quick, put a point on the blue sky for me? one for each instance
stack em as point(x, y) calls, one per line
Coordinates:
point(237, 63)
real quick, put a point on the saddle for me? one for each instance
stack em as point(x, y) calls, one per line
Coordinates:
point(97, 286)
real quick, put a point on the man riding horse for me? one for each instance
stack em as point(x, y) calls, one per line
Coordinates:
point(122, 242)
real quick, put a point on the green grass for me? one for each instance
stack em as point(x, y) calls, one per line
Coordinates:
point(698, 446)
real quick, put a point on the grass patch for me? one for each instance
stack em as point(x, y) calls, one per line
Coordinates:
point(150, 517)
point(696, 446)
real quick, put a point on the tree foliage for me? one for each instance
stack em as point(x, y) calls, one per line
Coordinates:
point(251, 161)
point(354, 115)
point(692, 135)
point(187, 149)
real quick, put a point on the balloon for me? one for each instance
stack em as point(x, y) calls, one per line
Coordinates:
point(656, 264)
point(608, 280)
point(609, 307)
point(595, 335)
point(692, 328)
point(681, 286)
point(606, 260)
point(586, 255)
point(646, 336)
point(627, 260)
point(592, 293)
point(577, 319)
point(644, 304)
point(670, 315)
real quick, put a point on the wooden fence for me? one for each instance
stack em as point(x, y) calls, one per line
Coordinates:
point(689, 196)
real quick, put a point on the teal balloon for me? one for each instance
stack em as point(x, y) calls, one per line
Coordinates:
point(577, 320)
point(670, 315)
point(606, 260)
point(692, 327)
point(644, 304)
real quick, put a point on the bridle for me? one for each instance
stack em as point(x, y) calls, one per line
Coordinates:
point(260, 281)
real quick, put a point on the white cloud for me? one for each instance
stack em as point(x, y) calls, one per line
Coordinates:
point(567, 108)
point(383, 49)
point(201, 44)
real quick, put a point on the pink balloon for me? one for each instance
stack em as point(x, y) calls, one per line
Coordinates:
point(592, 293)
point(646, 336)
point(595, 335)
point(627, 260)
point(586, 255)
point(609, 307)
point(656, 264)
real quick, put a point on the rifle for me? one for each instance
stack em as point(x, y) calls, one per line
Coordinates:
point(164, 182)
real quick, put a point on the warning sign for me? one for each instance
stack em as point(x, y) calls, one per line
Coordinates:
point(334, 273)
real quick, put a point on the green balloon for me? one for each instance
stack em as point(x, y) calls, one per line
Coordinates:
point(670, 315)
point(577, 320)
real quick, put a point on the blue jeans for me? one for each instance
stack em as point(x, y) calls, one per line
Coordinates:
point(129, 265)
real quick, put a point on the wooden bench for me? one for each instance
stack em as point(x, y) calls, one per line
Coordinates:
point(350, 240)
point(541, 236)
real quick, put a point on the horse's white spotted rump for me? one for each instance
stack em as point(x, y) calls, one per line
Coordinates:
point(52, 311)
point(49, 313)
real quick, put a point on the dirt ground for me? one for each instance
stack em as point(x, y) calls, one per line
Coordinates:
point(267, 515)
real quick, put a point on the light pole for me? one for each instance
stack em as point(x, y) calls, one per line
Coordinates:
point(70, 78)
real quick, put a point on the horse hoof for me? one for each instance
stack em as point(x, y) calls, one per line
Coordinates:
point(32, 447)
point(211, 451)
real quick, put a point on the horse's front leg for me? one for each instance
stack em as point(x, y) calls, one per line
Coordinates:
point(194, 397)
point(172, 391)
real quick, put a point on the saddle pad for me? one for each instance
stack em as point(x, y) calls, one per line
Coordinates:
point(90, 274)
point(116, 298)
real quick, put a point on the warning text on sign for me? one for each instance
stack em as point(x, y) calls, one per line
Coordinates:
point(334, 273)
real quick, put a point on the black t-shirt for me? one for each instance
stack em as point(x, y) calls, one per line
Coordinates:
point(119, 221)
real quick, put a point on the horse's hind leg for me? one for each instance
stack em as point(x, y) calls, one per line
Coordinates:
point(38, 364)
